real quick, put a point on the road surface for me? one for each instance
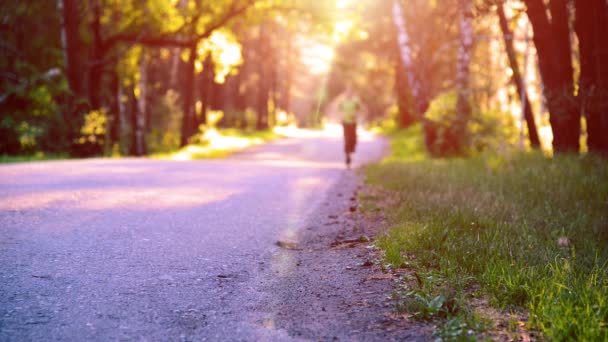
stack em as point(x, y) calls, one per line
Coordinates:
point(139, 249)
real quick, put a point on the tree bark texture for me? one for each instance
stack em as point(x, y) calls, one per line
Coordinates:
point(552, 41)
point(405, 52)
point(518, 78)
point(122, 116)
point(463, 88)
point(592, 31)
point(71, 43)
point(406, 118)
point(96, 63)
point(188, 121)
point(263, 85)
point(140, 119)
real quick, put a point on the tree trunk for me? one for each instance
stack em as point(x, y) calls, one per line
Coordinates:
point(71, 43)
point(72, 46)
point(517, 78)
point(122, 117)
point(114, 110)
point(406, 118)
point(140, 120)
point(592, 30)
point(405, 52)
point(262, 100)
point(96, 66)
point(206, 82)
point(552, 41)
point(419, 97)
point(463, 102)
point(287, 93)
point(188, 121)
point(174, 73)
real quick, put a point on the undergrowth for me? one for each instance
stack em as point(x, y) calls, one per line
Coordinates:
point(527, 231)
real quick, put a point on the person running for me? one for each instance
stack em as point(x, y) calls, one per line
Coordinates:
point(349, 108)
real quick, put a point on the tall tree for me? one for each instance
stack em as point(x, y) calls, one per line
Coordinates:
point(517, 76)
point(405, 52)
point(463, 88)
point(71, 43)
point(592, 30)
point(139, 144)
point(553, 46)
point(264, 79)
point(189, 118)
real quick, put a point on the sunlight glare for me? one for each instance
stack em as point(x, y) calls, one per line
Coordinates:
point(342, 4)
point(316, 56)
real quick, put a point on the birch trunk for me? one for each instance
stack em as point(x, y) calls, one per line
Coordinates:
point(463, 103)
point(405, 52)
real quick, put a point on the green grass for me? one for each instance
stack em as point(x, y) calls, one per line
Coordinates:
point(222, 143)
point(38, 156)
point(530, 232)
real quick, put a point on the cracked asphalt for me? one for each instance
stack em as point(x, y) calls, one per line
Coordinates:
point(158, 250)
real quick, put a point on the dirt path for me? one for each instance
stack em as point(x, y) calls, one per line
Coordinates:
point(330, 286)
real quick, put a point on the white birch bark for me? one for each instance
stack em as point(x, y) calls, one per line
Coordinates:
point(405, 51)
point(463, 89)
point(464, 57)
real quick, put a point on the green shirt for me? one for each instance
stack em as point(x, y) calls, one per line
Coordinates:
point(349, 109)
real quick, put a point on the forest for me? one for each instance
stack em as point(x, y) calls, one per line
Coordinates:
point(124, 77)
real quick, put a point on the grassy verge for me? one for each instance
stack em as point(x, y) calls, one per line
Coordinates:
point(526, 232)
point(219, 144)
point(30, 158)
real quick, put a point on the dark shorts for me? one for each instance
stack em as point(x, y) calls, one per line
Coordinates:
point(350, 137)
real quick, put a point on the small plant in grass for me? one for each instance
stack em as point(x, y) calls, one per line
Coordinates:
point(455, 329)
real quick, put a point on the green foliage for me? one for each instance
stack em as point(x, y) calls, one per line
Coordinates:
point(488, 130)
point(165, 123)
point(455, 329)
point(532, 231)
point(31, 116)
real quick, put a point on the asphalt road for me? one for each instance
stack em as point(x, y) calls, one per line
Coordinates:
point(138, 249)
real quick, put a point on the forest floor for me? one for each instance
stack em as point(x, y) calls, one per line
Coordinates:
point(510, 245)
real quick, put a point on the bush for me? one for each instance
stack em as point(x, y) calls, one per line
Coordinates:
point(483, 130)
point(165, 124)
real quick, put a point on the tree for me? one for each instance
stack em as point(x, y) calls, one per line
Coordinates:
point(592, 30)
point(463, 102)
point(517, 77)
point(553, 46)
point(71, 43)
